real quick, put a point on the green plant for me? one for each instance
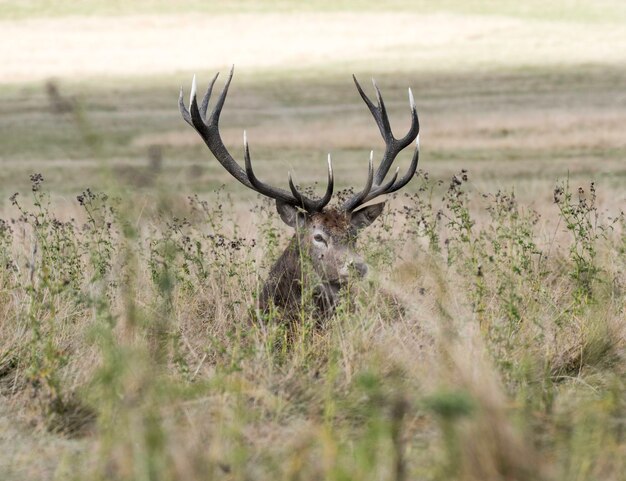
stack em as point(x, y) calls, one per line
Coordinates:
point(582, 221)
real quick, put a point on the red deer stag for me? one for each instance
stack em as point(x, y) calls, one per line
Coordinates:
point(325, 236)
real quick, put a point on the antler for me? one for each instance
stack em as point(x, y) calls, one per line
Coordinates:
point(208, 128)
point(393, 147)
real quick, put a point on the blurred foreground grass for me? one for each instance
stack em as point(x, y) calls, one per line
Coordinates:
point(485, 345)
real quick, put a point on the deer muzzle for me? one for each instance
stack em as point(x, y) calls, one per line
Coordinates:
point(353, 268)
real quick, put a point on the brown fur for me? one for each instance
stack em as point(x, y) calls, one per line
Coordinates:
point(335, 221)
point(329, 264)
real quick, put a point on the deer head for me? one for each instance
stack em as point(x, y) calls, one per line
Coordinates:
point(326, 235)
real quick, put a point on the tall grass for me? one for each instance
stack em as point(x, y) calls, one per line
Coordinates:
point(476, 350)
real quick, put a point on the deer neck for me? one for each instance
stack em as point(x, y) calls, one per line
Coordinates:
point(283, 286)
point(290, 274)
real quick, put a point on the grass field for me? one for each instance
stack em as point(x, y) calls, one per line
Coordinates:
point(487, 342)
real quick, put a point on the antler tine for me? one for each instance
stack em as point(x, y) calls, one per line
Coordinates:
point(207, 96)
point(393, 147)
point(412, 168)
point(261, 187)
point(383, 118)
point(298, 198)
point(217, 110)
point(196, 119)
point(359, 198)
point(383, 189)
point(329, 186)
point(183, 110)
point(363, 95)
point(391, 186)
point(315, 205)
point(414, 130)
point(296, 193)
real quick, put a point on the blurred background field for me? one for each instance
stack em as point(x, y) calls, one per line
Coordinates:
point(514, 91)
point(521, 94)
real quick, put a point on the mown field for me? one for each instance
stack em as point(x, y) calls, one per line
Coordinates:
point(488, 340)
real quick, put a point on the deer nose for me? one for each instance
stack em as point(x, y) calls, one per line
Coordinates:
point(354, 265)
point(361, 268)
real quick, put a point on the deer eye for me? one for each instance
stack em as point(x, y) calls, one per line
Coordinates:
point(319, 238)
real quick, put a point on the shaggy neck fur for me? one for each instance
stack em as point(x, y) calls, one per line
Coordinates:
point(283, 287)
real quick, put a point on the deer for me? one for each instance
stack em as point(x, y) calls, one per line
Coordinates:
point(325, 236)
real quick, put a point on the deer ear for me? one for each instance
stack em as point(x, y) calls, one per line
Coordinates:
point(364, 217)
point(290, 214)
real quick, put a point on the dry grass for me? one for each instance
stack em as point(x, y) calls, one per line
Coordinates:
point(436, 372)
